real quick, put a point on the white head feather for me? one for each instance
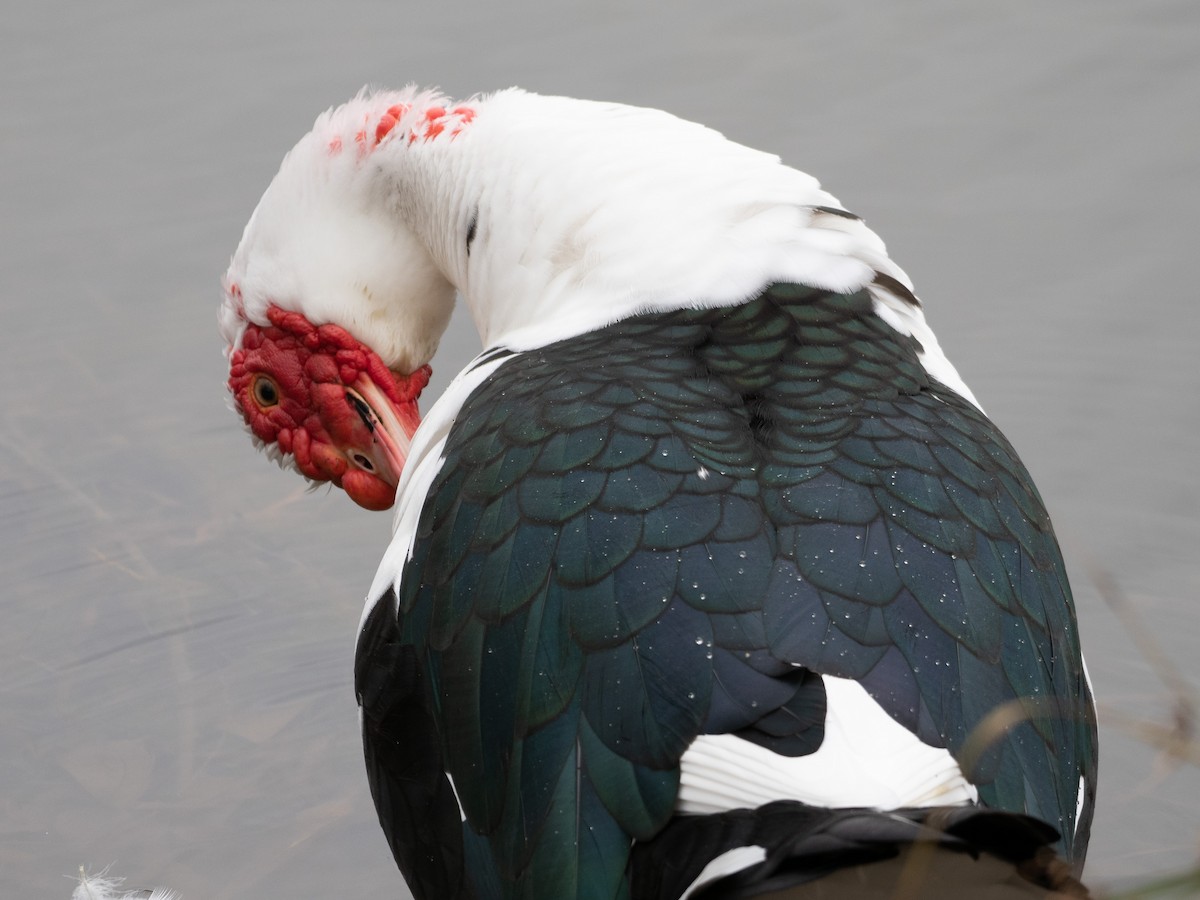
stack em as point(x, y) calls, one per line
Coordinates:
point(324, 242)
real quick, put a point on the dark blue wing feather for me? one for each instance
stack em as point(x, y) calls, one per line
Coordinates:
point(674, 525)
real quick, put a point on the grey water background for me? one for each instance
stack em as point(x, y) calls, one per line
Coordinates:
point(178, 616)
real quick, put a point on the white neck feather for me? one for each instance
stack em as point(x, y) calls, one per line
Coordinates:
point(587, 212)
point(579, 214)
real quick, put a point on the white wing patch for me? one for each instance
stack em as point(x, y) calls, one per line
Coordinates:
point(867, 759)
point(726, 864)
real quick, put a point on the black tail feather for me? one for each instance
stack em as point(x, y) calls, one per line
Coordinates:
point(810, 852)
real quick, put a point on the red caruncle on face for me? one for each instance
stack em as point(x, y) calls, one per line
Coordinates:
point(328, 401)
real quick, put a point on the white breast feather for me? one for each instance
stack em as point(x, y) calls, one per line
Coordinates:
point(425, 460)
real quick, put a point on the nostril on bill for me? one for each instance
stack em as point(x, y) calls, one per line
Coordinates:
point(363, 410)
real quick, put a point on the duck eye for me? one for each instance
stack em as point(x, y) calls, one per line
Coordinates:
point(266, 392)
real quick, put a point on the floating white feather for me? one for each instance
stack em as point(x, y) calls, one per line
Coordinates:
point(102, 886)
